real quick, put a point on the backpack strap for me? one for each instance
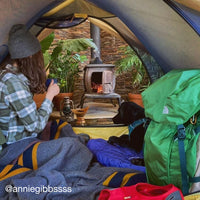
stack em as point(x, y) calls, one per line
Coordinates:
point(194, 179)
point(181, 147)
point(136, 123)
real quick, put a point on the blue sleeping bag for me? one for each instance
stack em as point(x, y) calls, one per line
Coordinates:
point(114, 156)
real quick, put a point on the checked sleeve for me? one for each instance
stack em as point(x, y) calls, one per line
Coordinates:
point(19, 98)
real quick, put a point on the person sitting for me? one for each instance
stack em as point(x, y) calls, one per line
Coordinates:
point(19, 81)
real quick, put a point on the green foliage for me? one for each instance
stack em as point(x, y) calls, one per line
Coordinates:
point(65, 68)
point(46, 42)
point(130, 62)
point(77, 45)
point(63, 61)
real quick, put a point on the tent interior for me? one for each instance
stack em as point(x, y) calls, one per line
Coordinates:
point(167, 30)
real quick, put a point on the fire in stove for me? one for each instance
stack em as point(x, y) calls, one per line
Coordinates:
point(99, 78)
point(96, 82)
point(97, 88)
point(100, 89)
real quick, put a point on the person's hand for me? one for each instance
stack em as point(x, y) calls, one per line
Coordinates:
point(52, 90)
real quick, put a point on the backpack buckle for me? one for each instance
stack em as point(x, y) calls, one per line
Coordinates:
point(181, 132)
point(193, 119)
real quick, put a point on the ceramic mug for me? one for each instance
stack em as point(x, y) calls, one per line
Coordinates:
point(48, 81)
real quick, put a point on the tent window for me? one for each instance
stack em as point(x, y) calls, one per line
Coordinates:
point(59, 23)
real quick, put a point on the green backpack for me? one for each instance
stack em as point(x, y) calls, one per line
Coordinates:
point(170, 153)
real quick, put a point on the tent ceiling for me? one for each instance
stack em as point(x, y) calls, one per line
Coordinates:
point(171, 41)
point(13, 12)
point(194, 4)
point(81, 6)
point(153, 23)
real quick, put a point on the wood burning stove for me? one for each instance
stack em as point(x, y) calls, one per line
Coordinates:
point(99, 82)
point(99, 78)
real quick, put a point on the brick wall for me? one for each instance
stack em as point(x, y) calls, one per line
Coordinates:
point(109, 54)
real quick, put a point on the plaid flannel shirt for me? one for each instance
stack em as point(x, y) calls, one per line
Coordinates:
point(19, 117)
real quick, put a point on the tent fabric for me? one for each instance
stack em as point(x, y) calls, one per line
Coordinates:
point(12, 12)
point(160, 29)
point(191, 16)
point(20, 11)
point(168, 38)
point(194, 4)
point(82, 6)
point(59, 7)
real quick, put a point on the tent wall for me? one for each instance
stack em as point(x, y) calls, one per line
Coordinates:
point(163, 32)
point(20, 11)
point(13, 12)
point(194, 4)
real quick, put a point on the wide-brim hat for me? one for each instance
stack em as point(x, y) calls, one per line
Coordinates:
point(21, 43)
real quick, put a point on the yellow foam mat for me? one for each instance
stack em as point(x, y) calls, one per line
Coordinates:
point(195, 196)
point(102, 132)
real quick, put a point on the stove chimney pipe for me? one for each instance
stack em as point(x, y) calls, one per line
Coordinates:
point(95, 35)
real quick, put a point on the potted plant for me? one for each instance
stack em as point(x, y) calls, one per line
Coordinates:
point(62, 59)
point(131, 63)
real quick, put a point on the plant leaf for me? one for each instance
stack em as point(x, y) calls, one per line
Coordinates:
point(46, 42)
point(56, 51)
point(78, 44)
